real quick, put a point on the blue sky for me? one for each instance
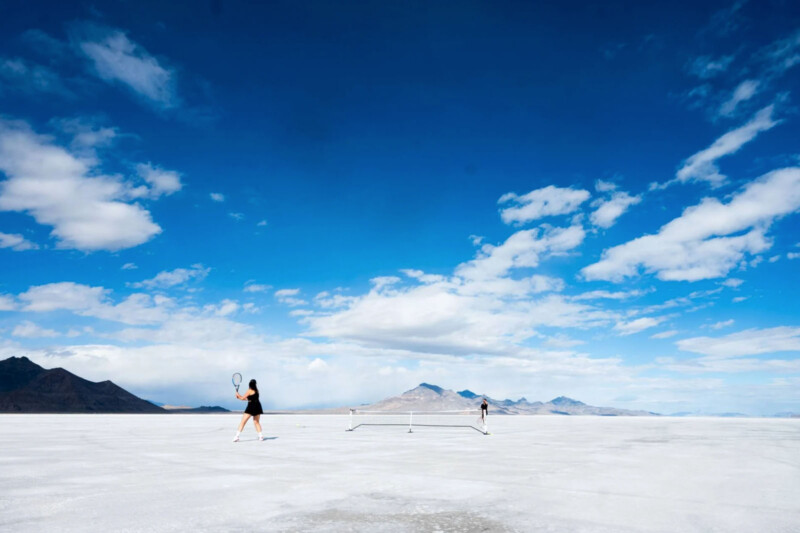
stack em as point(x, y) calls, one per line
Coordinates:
point(344, 200)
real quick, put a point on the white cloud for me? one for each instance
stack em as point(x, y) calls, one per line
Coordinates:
point(289, 297)
point(255, 287)
point(665, 334)
point(217, 197)
point(732, 282)
point(117, 59)
point(29, 330)
point(706, 67)
point(32, 78)
point(262, 223)
point(605, 186)
point(129, 266)
point(792, 255)
point(607, 295)
point(743, 92)
point(162, 182)
point(87, 135)
point(722, 324)
point(16, 242)
point(739, 299)
point(86, 210)
point(523, 249)
point(484, 307)
point(84, 300)
point(783, 54)
point(709, 239)
point(539, 203)
point(171, 278)
point(609, 210)
point(746, 342)
point(637, 325)
point(224, 308)
point(236, 216)
point(326, 300)
point(701, 166)
point(7, 303)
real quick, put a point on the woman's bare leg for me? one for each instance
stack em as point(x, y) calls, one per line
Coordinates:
point(257, 422)
point(245, 417)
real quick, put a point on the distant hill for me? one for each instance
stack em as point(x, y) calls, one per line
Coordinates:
point(427, 397)
point(203, 409)
point(25, 387)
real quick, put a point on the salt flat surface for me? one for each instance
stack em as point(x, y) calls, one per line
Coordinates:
point(532, 474)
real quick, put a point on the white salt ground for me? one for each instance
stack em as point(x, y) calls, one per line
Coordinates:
point(533, 474)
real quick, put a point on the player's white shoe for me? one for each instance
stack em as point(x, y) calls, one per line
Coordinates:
point(236, 438)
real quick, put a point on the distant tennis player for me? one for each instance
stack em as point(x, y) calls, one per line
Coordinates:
point(253, 409)
point(484, 410)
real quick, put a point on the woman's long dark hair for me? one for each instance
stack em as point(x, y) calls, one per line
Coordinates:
point(252, 385)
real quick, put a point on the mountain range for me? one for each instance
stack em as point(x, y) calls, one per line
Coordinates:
point(427, 397)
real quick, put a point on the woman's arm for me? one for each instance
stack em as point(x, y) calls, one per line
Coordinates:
point(246, 394)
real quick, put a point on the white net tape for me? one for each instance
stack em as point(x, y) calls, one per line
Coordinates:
point(419, 419)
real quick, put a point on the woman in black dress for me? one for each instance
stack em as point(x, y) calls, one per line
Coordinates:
point(253, 409)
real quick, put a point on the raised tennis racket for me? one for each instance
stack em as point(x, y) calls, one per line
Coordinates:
point(236, 380)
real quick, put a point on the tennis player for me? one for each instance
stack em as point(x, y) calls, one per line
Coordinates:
point(253, 410)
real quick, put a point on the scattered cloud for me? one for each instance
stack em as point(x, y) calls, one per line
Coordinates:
point(664, 334)
point(289, 297)
point(129, 266)
point(709, 239)
point(732, 282)
point(7, 303)
point(88, 135)
point(179, 276)
point(161, 182)
point(747, 342)
point(87, 210)
point(255, 287)
point(707, 67)
point(16, 242)
point(85, 300)
point(116, 59)
point(29, 330)
point(262, 223)
point(32, 78)
point(608, 295)
point(722, 324)
point(540, 203)
point(217, 197)
point(743, 92)
point(609, 210)
point(702, 167)
point(637, 325)
point(236, 216)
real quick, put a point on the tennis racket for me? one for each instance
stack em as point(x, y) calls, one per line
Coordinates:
point(236, 380)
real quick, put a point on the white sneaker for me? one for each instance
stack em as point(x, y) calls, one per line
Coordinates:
point(260, 437)
point(236, 439)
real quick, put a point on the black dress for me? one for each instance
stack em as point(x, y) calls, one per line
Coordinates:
point(253, 405)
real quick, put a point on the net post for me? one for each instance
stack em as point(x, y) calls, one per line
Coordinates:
point(410, 420)
point(350, 427)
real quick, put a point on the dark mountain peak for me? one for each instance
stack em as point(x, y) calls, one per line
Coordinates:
point(17, 372)
point(28, 388)
point(468, 394)
point(563, 400)
point(434, 388)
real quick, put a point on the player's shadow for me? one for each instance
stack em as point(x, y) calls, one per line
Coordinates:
point(270, 438)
